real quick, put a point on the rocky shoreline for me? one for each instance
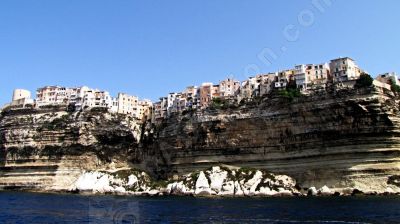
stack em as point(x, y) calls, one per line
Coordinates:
point(216, 181)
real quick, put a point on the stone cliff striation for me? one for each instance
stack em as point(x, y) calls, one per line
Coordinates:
point(48, 149)
point(344, 139)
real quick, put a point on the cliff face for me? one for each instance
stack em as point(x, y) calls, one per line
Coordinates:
point(49, 149)
point(345, 139)
point(342, 139)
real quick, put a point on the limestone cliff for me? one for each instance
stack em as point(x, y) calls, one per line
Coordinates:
point(344, 139)
point(341, 138)
point(48, 149)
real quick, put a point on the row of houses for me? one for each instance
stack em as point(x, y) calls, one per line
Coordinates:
point(305, 77)
point(83, 98)
point(342, 71)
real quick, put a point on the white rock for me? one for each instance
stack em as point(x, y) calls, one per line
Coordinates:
point(103, 185)
point(312, 191)
point(132, 179)
point(325, 191)
point(120, 190)
point(282, 191)
point(87, 181)
point(202, 185)
point(153, 192)
point(267, 191)
point(285, 181)
point(249, 188)
point(217, 178)
point(176, 188)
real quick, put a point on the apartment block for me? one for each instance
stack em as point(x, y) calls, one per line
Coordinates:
point(266, 83)
point(144, 109)
point(206, 91)
point(192, 95)
point(127, 104)
point(228, 88)
point(344, 69)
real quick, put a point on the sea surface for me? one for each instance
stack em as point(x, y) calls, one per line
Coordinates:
point(21, 207)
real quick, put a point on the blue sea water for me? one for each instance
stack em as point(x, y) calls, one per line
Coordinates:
point(21, 207)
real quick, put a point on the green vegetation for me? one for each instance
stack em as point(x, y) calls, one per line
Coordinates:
point(156, 184)
point(124, 174)
point(291, 91)
point(219, 103)
point(365, 80)
point(394, 87)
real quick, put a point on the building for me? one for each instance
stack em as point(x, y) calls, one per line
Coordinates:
point(75, 96)
point(284, 77)
point(21, 98)
point(57, 95)
point(250, 88)
point(127, 104)
point(170, 103)
point(312, 76)
point(179, 103)
point(50, 95)
point(160, 110)
point(344, 69)
point(266, 83)
point(191, 94)
point(206, 91)
point(215, 92)
point(156, 115)
point(97, 98)
point(389, 78)
point(144, 109)
point(302, 81)
point(228, 88)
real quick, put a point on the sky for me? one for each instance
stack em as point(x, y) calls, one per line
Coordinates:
point(152, 47)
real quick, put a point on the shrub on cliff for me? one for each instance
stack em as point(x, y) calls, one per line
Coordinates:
point(394, 87)
point(365, 80)
point(291, 91)
point(219, 103)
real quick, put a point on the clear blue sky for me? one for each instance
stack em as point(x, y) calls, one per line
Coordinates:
point(149, 48)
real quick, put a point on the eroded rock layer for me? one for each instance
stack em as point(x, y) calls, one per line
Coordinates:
point(49, 149)
point(339, 139)
point(347, 139)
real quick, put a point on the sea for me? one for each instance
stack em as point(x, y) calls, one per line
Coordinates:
point(23, 207)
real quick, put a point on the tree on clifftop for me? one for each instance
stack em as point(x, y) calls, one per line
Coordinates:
point(365, 80)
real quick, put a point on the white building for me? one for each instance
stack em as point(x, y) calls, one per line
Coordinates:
point(344, 69)
point(76, 96)
point(170, 103)
point(312, 76)
point(50, 95)
point(192, 95)
point(249, 88)
point(302, 81)
point(21, 97)
point(127, 104)
point(228, 88)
